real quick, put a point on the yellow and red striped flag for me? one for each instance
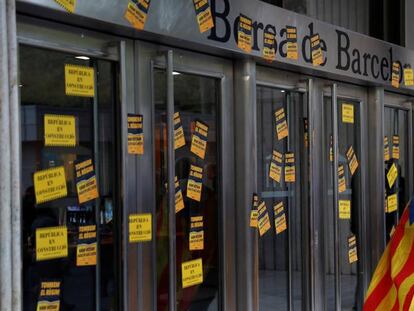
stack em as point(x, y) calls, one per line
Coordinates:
point(392, 285)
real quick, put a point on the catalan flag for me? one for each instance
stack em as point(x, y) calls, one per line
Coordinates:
point(392, 285)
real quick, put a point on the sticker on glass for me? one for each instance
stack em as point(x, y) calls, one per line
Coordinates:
point(392, 175)
point(199, 139)
point(352, 160)
point(135, 134)
point(316, 50)
point(352, 249)
point(196, 237)
point(392, 203)
point(140, 228)
point(179, 201)
point(280, 218)
point(386, 149)
point(275, 171)
point(254, 213)
point(341, 179)
point(292, 42)
point(263, 219)
point(50, 184)
point(136, 13)
point(281, 124)
point(344, 209)
point(408, 76)
point(348, 113)
point(86, 184)
point(244, 41)
point(269, 46)
point(396, 147)
point(192, 272)
point(179, 138)
point(49, 296)
point(195, 183)
point(290, 171)
point(306, 132)
point(79, 81)
point(395, 82)
point(331, 155)
point(60, 130)
point(86, 248)
point(204, 16)
point(68, 5)
point(51, 243)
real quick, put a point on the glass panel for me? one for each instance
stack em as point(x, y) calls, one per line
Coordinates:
point(43, 92)
point(196, 99)
point(396, 124)
point(280, 255)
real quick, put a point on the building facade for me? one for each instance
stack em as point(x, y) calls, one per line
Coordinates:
point(174, 168)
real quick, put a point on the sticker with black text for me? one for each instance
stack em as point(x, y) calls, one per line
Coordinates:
point(49, 296)
point(290, 171)
point(254, 212)
point(341, 179)
point(408, 76)
point(275, 171)
point(199, 139)
point(395, 82)
point(263, 219)
point(195, 183)
point(292, 42)
point(396, 147)
point(281, 124)
point(136, 13)
point(269, 46)
point(196, 238)
point(316, 49)
point(344, 209)
point(352, 249)
point(244, 41)
point(179, 201)
point(280, 218)
point(352, 160)
point(204, 16)
point(179, 138)
point(135, 134)
point(386, 149)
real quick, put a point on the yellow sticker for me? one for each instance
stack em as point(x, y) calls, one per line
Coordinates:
point(179, 138)
point(254, 214)
point(49, 296)
point(395, 75)
point(292, 42)
point(392, 203)
point(341, 179)
point(195, 183)
point(386, 149)
point(50, 184)
point(136, 13)
point(392, 175)
point(352, 160)
point(331, 155)
point(281, 124)
point(269, 46)
point(275, 171)
point(408, 77)
point(86, 255)
point(199, 139)
point(192, 272)
point(244, 37)
point(347, 113)
point(51, 243)
point(316, 50)
point(79, 81)
point(135, 134)
point(48, 305)
point(196, 237)
point(344, 209)
point(263, 219)
point(280, 218)
point(179, 200)
point(204, 16)
point(60, 130)
point(68, 5)
point(306, 132)
point(86, 184)
point(140, 228)
point(396, 147)
point(290, 171)
point(352, 249)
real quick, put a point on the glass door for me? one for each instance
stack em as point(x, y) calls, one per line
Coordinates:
point(283, 191)
point(192, 107)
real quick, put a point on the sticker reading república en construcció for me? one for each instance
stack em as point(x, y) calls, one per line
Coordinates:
point(192, 272)
point(269, 46)
point(51, 243)
point(316, 49)
point(341, 179)
point(135, 134)
point(68, 5)
point(280, 218)
point(254, 213)
point(395, 80)
point(292, 43)
point(348, 113)
point(49, 296)
point(50, 184)
point(244, 37)
point(179, 138)
point(352, 249)
point(275, 170)
point(352, 160)
point(196, 237)
point(408, 76)
point(179, 200)
point(290, 170)
point(195, 183)
point(86, 184)
point(386, 149)
point(392, 175)
point(140, 228)
point(79, 80)
point(281, 124)
point(137, 12)
point(204, 16)
point(392, 203)
point(344, 209)
point(199, 139)
point(396, 147)
point(87, 247)
point(263, 219)
point(60, 130)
